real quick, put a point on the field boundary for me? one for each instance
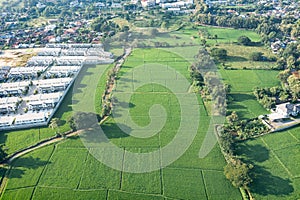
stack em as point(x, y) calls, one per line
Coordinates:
point(85, 164)
point(277, 158)
point(37, 182)
point(204, 183)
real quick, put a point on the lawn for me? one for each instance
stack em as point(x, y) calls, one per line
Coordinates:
point(275, 158)
point(69, 171)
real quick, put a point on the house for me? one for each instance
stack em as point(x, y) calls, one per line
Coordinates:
point(9, 104)
point(13, 88)
point(63, 71)
point(30, 118)
point(52, 85)
point(288, 109)
point(6, 121)
point(148, 3)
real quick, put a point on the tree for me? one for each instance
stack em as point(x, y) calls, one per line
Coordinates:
point(219, 53)
point(3, 154)
point(256, 56)
point(233, 117)
point(54, 125)
point(72, 123)
point(226, 142)
point(294, 85)
point(238, 173)
point(244, 40)
point(153, 32)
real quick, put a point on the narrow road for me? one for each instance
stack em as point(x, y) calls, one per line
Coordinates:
point(37, 146)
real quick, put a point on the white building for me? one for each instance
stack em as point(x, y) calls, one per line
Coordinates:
point(63, 71)
point(52, 85)
point(30, 118)
point(6, 121)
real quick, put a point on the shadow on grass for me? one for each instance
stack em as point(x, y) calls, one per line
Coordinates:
point(264, 183)
point(242, 97)
point(90, 123)
point(20, 165)
point(255, 153)
point(235, 59)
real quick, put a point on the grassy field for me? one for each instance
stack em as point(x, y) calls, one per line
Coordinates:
point(243, 82)
point(239, 56)
point(227, 35)
point(275, 158)
point(67, 170)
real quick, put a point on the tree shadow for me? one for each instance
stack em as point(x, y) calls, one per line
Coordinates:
point(264, 183)
point(255, 153)
point(122, 104)
point(242, 97)
point(89, 122)
point(19, 166)
point(236, 59)
point(234, 106)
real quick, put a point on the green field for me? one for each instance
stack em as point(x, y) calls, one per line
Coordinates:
point(239, 56)
point(228, 35)
point(275, 158)
point(67, 169)
point(243, 82)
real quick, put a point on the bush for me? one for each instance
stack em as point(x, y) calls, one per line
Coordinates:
point(244, 40)
point(256, 56)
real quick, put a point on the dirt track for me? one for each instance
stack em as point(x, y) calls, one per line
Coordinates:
point(17, 57)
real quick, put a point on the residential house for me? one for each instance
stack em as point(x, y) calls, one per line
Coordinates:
point(288, 109)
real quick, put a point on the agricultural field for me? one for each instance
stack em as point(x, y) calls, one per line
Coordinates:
point(242, 84)
point(275, 158)
point(67, 169)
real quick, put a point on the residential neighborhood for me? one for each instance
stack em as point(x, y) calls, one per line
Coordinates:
point(31, 94)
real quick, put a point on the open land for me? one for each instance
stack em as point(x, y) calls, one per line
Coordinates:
point(45, 172)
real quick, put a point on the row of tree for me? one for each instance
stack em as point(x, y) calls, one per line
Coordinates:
point(205, 77)
point(238, 172)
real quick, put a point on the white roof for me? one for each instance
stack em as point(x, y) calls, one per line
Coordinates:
point(6, 119)
point(20, 84)
point(29, 117)
point(9, 100)
point(43, 97)
point(55, 69)
point(49, 82)
point(12, 105)
point(274, 116)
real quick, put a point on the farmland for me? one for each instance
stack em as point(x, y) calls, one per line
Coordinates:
point(66, 170)
point(275, 161)
point(243, 82)
point(189, 177)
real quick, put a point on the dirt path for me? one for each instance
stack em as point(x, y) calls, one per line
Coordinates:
point(39, 145)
